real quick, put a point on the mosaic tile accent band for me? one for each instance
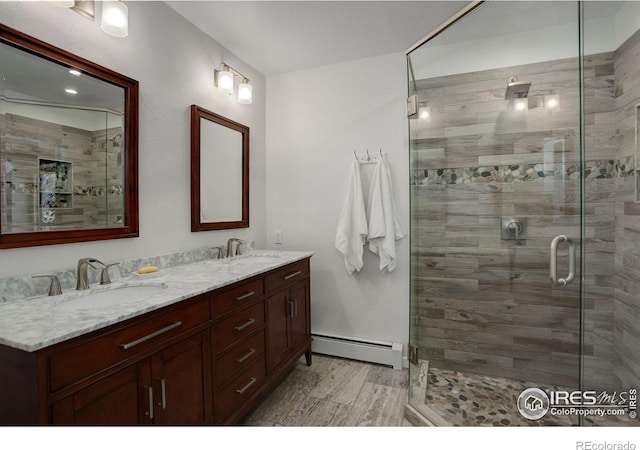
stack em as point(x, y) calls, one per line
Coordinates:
point(596, 169)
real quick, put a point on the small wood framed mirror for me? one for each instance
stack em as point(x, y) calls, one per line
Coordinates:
point(219, 172)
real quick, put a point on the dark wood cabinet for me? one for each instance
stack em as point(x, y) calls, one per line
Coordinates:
point(113, 400)
point(169, 388)
point(288, 314)
point(210, 359)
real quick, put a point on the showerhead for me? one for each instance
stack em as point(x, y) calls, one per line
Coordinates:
point(517, 89)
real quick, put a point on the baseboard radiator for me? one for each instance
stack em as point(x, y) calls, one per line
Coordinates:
point(379, 352)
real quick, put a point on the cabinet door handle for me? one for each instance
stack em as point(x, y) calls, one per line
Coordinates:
point(247, 386)
point(245, 296)
point(291, 275)
point(295, 307)
point(151, 336)
point(149, 413)
point(291, 308)
point(244, 358)
point(163, 394)
point(245, 325)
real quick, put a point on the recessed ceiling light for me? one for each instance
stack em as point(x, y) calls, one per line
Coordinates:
point(70, 91)
point(75, 72)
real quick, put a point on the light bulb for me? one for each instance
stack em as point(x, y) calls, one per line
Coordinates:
point(521, 104)
point(424, 113)
point(552, 101)
point(225, 82)
point(115, 18)
point(245, 92)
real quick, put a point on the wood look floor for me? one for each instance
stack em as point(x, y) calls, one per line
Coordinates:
point(336, 392)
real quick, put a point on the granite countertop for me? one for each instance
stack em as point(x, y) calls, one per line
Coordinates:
point(38, 322)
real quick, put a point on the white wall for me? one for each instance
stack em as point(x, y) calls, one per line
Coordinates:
point(173, 62)
point(316, 119)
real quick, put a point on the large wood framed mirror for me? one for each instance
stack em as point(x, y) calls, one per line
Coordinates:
point(68, 146)
point(219, 172)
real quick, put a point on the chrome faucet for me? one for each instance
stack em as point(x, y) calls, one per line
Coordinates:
point(230, 242)
point(83, 278)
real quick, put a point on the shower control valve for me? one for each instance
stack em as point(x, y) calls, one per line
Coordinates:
point(514, 228)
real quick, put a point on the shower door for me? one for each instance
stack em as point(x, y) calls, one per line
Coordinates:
point(495, 148)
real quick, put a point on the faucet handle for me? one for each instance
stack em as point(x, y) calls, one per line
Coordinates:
point(55, 288)
point(104, 276)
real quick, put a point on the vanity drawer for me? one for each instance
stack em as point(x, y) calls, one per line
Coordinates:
point(236, 297)
point(240, 389)
point(238, 326)
point(239, 358)
point(106, 349)
point(286, 275)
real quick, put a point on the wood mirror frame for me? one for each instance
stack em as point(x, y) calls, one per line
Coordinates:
point(198, 198)
point(129, 227)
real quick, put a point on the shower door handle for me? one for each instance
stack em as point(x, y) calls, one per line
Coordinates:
point(553, 263)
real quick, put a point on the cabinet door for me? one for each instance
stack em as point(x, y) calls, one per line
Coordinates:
point(278, 310)
point(110, 401)
point(299, 297)
point(181, 382)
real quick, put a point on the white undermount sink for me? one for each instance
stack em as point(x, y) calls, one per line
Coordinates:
point(255, 258)
point(111, 297)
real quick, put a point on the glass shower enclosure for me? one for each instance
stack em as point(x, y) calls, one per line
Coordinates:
point(525, 228)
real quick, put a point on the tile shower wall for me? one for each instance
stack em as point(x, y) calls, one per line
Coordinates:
point(485, 305)
point(626, 336)
point(94, 159)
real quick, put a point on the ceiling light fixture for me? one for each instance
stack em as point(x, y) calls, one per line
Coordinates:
point(424, 113)
point(75, 72)
point(224, 80)
point(115, 18)
point(71, 91)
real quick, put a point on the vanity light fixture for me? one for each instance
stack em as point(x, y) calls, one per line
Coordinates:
point(115, 14)
point(245, 92)
point(115, 18)
point(224, 80)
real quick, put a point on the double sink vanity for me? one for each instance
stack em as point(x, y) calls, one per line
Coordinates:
point(200, 343)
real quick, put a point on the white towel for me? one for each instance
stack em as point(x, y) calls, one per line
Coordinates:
point(385, 226)
point(352, 227)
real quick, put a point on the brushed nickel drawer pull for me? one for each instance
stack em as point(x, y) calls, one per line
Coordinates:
point(244, 358)
point(150, 400)
point(291, 275)
point(245, 296)
point(163, 392)
point(245, 325)
point(247, 386)
point(291, 312)
point(151, 336)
